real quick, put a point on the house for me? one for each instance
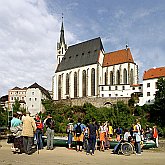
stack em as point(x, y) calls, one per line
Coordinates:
point(34, 96)
point(150, 78)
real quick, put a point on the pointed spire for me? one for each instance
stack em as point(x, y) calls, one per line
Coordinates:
point(62, 39)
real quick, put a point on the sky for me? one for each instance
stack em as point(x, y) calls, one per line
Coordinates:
point(30, 30)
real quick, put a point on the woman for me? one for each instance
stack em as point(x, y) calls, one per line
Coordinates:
point(102, 130)
point(16, 129)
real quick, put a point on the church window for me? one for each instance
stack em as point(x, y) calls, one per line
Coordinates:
point(105, 78)
point(75, 84)
point(125, 76)
point(93, 82)
point(123, 87)
point(118, 77)
point(59, 87)
point(67, 84)
point(109, 88)
point(115, 87)
point(131, 77)
point(84, 84)
point(111, 78)
point(62, 51)
point(148, 93)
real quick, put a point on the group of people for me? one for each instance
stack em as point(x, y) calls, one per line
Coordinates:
point(87, 134)
point(81, 132)
point(28, 130)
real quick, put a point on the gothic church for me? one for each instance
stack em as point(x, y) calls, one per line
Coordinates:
point(86, 70)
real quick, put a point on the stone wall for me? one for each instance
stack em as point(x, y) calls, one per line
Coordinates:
point(97, 102)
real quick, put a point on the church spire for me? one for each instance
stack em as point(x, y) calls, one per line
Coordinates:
point(62, 39)
point(61, 46)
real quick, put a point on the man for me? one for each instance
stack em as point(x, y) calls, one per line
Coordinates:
point(50, 131)
point(79, 128)
point(93, 134)
point(155, 135)
point(29, 128)
point(137, 138)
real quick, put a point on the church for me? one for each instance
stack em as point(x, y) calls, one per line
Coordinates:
point(86, 70)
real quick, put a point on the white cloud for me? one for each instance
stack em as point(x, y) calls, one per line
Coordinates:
point(28, 44)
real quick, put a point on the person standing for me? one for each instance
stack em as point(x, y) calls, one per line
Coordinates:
point(38, 134)
point(70, 132)
point(16, 129)
point(29, 128)
point(79, 128)
point(50, 125)
point(102, 131)
point(138, 138)
point(155, 135)
point(93, 135)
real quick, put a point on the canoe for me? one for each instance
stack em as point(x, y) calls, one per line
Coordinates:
point(63, 142)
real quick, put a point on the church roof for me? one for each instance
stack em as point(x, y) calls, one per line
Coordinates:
point(154, 73)
point(43, 90)
point(118, 57)
point(82, 54)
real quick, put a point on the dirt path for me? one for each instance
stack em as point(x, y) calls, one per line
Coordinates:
point(62, 156)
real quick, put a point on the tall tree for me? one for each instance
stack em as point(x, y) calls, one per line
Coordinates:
point(16, 106)
point(158, 111)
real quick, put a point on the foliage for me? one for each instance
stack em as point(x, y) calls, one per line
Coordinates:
point(158, 109)
point(3, 117)
point(16, 106)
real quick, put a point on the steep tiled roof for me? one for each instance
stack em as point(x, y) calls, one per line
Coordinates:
point(82, 54)
point(43, 90)
point(118, 57)
point(154, 73)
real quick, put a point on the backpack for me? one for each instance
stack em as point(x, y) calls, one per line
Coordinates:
point(78, 130)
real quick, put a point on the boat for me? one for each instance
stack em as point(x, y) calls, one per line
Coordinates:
point(63, 142)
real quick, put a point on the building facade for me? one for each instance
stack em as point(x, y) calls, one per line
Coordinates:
point(150, 78)
point(85, 69)
point(29, 98)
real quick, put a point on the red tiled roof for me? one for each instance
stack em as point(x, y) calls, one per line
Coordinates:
point(135, 85)
point(118, 57)
point(154, 73)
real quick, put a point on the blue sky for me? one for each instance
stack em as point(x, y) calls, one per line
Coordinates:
point(29, 31)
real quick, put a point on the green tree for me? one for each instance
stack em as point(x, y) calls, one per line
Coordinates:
point(16, 106)
point(3, 117)
point(157, 112)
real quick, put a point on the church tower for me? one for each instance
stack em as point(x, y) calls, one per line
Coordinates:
point(61, 46)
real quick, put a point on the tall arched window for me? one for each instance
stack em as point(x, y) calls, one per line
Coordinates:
point(105, 78)
point(84, 85)
point(131, 77)
point(93, 82)
point(111, 78)
point(118, 77)
point(125, 76)
point(75, 84)
point(67, 84)
point(59, 87)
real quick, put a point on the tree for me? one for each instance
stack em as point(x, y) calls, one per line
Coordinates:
point(158, 111)
point(3, 117)
point(16, 106)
